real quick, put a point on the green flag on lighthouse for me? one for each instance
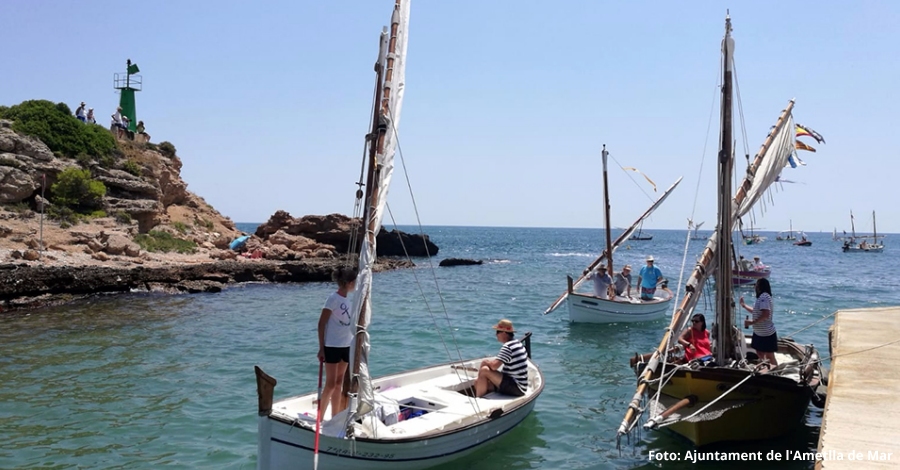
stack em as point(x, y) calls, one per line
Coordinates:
point(133, 69)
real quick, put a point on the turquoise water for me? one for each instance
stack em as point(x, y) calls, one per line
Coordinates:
point(146, 381)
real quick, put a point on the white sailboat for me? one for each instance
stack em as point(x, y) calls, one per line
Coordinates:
point(449, 421)
point(729, 396)
point(787, 235)
point(589, 308)
point(861, 244)
point(695, 229)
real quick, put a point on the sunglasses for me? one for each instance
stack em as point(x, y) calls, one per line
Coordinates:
point(498, 332)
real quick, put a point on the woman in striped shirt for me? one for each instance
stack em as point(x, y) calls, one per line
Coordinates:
point(765, 339)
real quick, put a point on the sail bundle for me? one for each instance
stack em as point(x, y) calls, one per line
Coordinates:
point(393, 62)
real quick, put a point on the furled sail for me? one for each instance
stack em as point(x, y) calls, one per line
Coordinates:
point(621, 239)
point(392, 57)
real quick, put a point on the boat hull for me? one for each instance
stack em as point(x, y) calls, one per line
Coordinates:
point(590, 309)
point(743, 278)
point(782, 403)
point(857, 249)
point(806, 243)
point(283, 443)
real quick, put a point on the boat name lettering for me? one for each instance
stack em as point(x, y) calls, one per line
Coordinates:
point(373, 455)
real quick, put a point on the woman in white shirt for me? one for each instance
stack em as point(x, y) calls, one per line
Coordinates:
point(335, 336)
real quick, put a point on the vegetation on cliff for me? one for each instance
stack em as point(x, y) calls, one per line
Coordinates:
point(55, 126)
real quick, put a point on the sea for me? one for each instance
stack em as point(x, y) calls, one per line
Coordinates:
point(160, 381)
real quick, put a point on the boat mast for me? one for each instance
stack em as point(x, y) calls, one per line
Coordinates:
point(852, 225)
point(609, 251)
point(384, 69)
point(791, 233)
point(874, 230)
point(724, 295)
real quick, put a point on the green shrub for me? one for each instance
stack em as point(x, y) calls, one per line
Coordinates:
point(107, 161)
point(158, 241)
point(84, 160)
point(166, 148)
point(66, 216)
point(55, 125)
point(149, 146)
point(181, 227)
point(75, 189)
point(123, 217)
point(132, 167)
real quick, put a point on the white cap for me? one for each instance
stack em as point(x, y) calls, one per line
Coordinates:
point(650, 258)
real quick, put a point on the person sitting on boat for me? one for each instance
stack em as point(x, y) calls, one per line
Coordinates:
point(602, 281)
point(648, 279)
point(335, 336)
point(765, 338)
point(863, 245)
point(623, 281)
point(696, 339)
point(745, 264)
point(513, 379)
point(757, 264)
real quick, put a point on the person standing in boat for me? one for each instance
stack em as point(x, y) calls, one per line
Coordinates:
point(335, 336)
point(602, 281)
point(648, 279)
point(696, 339)
point(765, 339)
point(623, 281)
point(513, 379)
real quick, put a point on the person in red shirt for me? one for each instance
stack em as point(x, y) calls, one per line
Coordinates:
point(696, 339)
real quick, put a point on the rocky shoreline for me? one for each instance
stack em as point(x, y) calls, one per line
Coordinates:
point(25, 286)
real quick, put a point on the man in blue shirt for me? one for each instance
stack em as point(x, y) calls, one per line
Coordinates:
point(648, 278)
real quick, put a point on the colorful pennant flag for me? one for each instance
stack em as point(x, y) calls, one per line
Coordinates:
point(801, 146)
point(645, 176)
point(805, 131)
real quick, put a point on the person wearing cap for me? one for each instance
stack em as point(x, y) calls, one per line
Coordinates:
point(623, 281)
point(513, 379)
point(602, 281)
point(648, 279)
point(757, 264)
point(79, 113)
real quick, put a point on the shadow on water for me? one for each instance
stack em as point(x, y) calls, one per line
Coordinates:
point(515, 449)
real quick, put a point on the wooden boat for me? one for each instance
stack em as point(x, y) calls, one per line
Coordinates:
point(589, 308)
point(442, 418)
point(723, 397)
point(641, 235)
point(861, 244)
point(787, 235)
point(695, 229)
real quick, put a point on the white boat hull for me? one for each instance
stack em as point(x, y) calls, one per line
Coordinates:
point(584, 308)
point(857, 249)
point(447, 433)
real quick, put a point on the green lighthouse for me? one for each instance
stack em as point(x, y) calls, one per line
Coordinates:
point(127, 84)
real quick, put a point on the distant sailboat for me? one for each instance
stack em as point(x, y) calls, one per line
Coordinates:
point(696, 228)
point(790, 234)
point(641, 235)
point(859, 244)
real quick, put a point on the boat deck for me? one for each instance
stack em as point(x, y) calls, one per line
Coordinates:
point(862, 412)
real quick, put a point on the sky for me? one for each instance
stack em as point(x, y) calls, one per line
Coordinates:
point(507, 103)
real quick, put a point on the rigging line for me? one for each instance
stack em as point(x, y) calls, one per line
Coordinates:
point(631, 178)
point(737, 89)
point(357, 205)
point(430, 312)
point(812, 324)
point(830, 358)
point(422, 234)
point(749, 376)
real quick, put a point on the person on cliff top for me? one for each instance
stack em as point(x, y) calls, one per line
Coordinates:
point(90, 116)
point(79, 113)
point(335, 335)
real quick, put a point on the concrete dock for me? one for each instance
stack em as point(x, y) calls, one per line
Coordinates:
point(861, 421)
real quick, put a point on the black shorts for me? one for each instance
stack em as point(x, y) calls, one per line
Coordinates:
point(335, 355)
point(767, 344)
point(508, 386)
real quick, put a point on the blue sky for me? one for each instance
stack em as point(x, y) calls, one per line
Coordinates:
point(507, 106)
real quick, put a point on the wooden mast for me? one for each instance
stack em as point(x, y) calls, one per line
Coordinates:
point(874, 230)
point(609, 267)
point(382, 117)
point(724, 300)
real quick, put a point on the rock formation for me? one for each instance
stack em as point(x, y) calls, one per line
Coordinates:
point(334, 231)
point(460, 262)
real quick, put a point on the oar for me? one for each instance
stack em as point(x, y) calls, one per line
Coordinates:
point(318, 418)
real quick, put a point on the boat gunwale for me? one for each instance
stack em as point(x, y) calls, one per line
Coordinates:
point(430, 435)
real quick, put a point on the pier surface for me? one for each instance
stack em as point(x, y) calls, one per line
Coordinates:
point(861, 421)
